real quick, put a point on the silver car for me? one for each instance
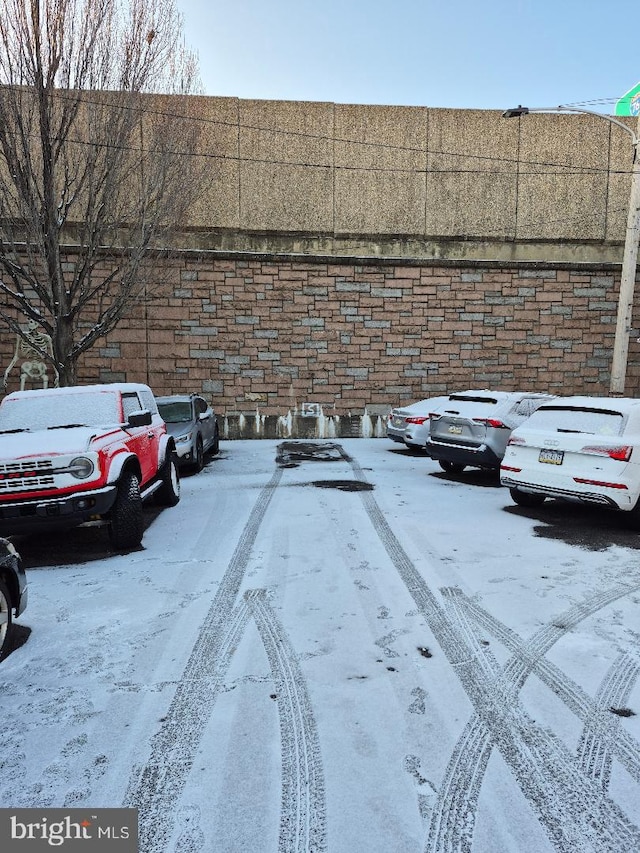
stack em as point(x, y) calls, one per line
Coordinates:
point(194, 426)
point(410, 424)
point(473, 427)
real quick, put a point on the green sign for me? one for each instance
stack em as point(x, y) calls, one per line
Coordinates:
point(629, 103)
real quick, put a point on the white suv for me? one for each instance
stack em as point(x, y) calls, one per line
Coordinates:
point(581, 448)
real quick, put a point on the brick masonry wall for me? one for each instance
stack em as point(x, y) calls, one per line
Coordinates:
point(263, 337)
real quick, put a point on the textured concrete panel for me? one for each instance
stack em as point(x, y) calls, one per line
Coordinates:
point(286, 166)
point(281, 197)
point(323, 178)
point(218, 206)
point(379, 202)
point(380, 166)
point(620, 165)
point(563, 177)
point(471, 185)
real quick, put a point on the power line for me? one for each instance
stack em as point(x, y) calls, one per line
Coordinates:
point(335, 139)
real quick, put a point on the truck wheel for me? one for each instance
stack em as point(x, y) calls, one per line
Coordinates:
point(127, 521)
point(5, 619)
point(169, 492)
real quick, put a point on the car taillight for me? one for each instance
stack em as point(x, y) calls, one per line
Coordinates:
point(515, 439)
point(416, 420)
point(621, 454)
point(491, 422)
point(602, 483)
point(510, 468)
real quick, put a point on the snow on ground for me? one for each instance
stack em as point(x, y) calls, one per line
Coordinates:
point(349, 651)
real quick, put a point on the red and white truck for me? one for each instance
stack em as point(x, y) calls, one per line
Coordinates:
point(84, 455)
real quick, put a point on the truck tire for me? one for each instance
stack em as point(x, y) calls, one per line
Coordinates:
point(5, 619)
point(127, 522)
point(169, 492)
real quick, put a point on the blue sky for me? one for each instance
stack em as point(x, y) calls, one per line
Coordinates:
point(435, 53)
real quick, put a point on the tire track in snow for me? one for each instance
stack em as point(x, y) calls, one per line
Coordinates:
point(572, 809)
point(602, 729)
point(453, 830)
point(302, 819)
point(523, 662)
point(155, 788)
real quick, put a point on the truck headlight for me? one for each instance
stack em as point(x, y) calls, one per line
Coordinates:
point(81, 467)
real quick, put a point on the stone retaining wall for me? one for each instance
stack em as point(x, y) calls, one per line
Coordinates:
point(313, 347)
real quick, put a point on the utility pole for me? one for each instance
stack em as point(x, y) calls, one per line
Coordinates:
point(624, 320)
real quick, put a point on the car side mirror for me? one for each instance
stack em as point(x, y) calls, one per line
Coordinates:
point(203, 416)
point(139, 419)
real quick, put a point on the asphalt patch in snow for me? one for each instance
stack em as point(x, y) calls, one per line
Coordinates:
point(343, 485)
point(623, 712)
point(291, 453)
point(589, 527)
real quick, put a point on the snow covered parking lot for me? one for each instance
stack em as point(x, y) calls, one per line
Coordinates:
point(336, 646)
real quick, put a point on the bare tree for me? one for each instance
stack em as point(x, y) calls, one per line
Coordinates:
point(96, 162)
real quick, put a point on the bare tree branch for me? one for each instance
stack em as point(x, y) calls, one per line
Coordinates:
point(91, 175)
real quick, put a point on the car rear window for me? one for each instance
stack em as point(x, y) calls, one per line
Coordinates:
point(465, 398)
point(577, 419)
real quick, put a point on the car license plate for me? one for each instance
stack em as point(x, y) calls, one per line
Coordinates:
point(552, 457)
point(455, 430)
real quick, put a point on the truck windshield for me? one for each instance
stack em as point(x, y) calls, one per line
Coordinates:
point(43, 411)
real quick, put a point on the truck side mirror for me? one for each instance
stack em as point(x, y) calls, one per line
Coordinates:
point(139, 419)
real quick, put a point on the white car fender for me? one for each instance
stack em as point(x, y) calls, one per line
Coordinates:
point(118, 463)
point(167, 444)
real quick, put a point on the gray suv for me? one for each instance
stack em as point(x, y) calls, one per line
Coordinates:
point(472, 428)
point(194, 427)
point(13, 591)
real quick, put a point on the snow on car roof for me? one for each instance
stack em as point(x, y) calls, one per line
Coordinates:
point(420, 406)
point(111, 388)
point(624, 405)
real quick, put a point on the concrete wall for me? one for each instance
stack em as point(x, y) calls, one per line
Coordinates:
point(408, 181)
point(345, 259)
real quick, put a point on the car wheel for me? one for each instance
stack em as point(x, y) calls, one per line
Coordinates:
point(169, 492)
point(198, 464)
point(526, 498)
point(215, 447)
point(451, 467)
point(127, 521)
point(5, 619)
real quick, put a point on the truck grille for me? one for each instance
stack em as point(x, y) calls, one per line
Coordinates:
point(26, 476)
